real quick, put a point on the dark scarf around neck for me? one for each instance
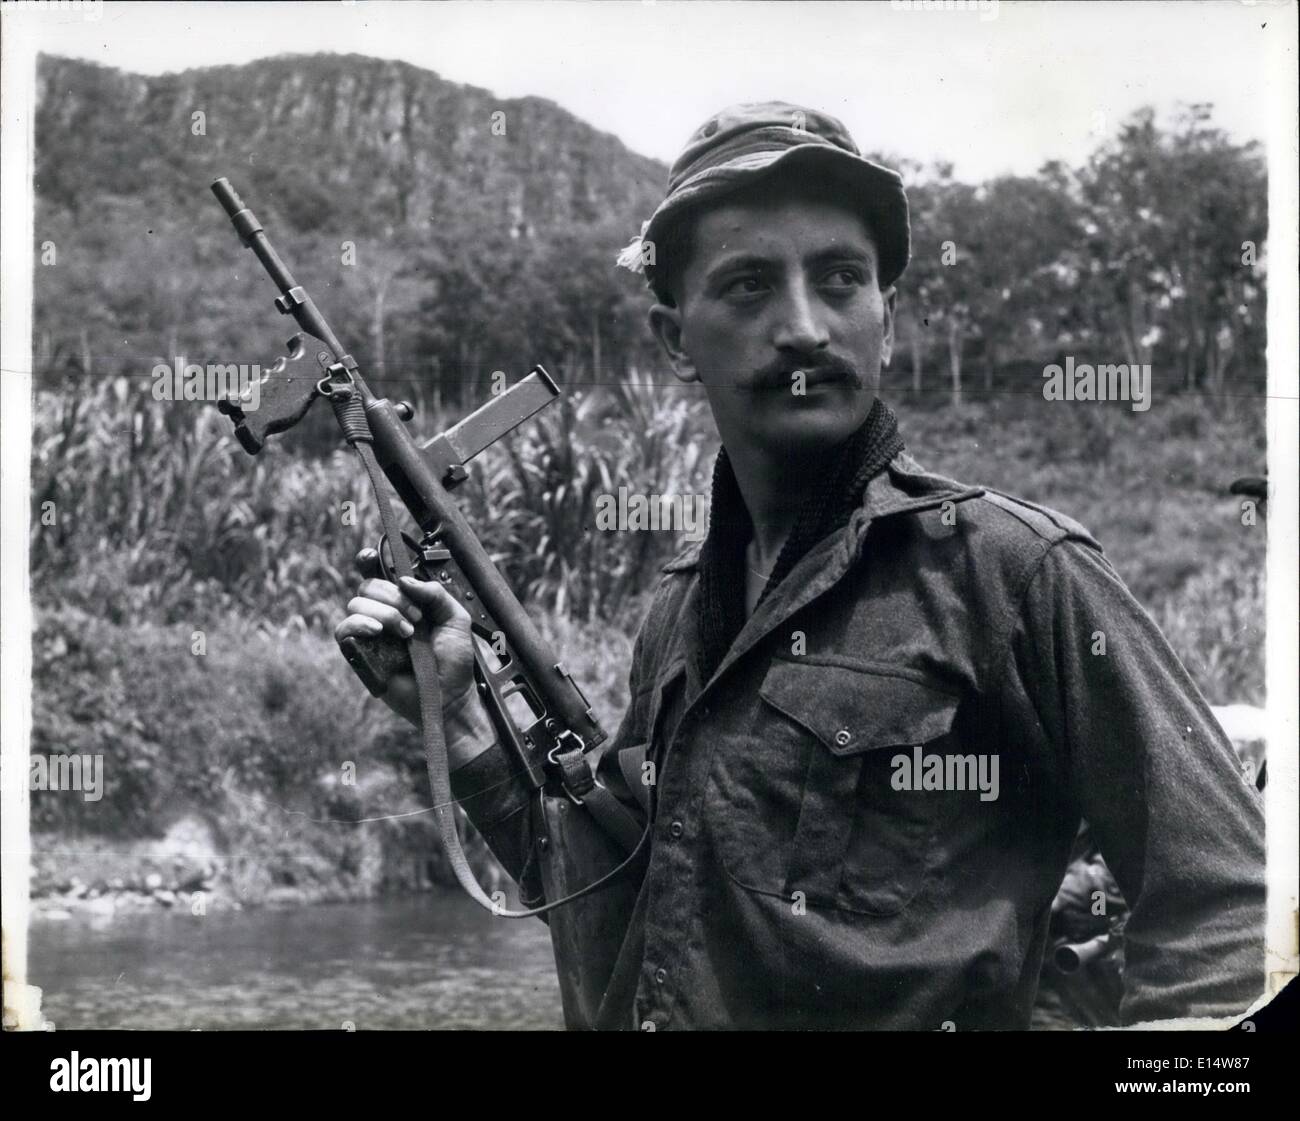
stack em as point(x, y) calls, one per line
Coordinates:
point(831, 498)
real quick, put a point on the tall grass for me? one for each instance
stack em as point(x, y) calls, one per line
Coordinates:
point(150, 511)
point(537, 494)
point(158, 513)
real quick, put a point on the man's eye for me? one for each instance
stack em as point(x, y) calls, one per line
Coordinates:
point(843, 278)
point(744, 286)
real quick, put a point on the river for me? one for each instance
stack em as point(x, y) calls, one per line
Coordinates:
point(435, 961)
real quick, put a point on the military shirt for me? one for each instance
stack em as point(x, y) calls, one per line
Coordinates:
point(861, 819)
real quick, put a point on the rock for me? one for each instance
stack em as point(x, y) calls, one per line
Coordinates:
point(153, 881)
point(166, 898)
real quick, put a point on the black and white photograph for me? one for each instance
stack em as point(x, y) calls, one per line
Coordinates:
point(649, 516)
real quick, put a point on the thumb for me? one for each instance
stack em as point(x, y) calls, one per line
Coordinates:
point(435, 601)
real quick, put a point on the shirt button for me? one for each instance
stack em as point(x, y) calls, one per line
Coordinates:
point(843, 736)
point(676, 829)
point(661, 975)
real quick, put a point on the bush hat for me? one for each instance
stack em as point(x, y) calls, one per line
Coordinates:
point(744, 143)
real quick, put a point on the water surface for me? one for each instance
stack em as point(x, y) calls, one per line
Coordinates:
point(433, 961)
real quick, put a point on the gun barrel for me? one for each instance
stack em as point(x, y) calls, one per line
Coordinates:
point(228, 197)
point(1072, 957)
point(293, 299)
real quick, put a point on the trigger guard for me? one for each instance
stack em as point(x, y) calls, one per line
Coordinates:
point(385, 568)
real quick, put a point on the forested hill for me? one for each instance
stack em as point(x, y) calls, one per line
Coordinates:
point(325, 140)
point(439, 186)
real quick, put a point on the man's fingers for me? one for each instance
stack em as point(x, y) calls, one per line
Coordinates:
point(367, 562)
point(391, 618)
point(358, 626)
point(383, 592)
point(438, 604)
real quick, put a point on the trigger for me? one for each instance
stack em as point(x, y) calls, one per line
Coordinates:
point(418, 557)
point(388, 563)
point(385, 567)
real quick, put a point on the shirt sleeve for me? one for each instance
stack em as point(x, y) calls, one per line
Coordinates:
point(1139, 752)
point(495, 795)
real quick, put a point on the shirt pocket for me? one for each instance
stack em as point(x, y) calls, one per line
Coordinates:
point(811, 806)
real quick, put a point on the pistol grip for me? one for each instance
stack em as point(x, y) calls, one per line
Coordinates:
point(376, 660)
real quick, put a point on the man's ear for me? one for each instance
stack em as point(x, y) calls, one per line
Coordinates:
point(666, 325)
point(889, 298)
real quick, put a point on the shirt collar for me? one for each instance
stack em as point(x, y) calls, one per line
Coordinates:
point(904, 487)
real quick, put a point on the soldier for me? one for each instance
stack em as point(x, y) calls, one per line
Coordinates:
point(850, 617)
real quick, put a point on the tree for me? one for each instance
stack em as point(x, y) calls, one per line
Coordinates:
point(1167, 218)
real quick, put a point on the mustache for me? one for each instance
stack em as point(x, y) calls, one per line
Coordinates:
point(776, 375)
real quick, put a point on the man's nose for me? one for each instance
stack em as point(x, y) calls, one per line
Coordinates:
point(799, 326)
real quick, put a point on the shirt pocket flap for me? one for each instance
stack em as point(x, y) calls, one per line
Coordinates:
point(852, 710)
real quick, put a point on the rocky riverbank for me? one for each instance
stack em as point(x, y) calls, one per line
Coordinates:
point(189, 869)
point(91, 875)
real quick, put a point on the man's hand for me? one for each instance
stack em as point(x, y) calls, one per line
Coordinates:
point(381, 607)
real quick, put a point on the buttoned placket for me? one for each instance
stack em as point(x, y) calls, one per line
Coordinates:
point(673, 875)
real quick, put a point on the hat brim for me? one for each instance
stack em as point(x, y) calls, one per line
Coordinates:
point(877, 190)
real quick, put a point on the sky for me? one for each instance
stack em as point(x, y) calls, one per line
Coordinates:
point(996, 88)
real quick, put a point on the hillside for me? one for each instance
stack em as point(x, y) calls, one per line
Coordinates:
point(329, 140)
point(416, 209)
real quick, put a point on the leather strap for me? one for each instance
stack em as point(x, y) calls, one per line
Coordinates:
point(581, 786)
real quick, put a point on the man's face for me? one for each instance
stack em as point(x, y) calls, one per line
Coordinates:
point(781, 318)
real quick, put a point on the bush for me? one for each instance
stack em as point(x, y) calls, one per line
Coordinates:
point(252, 737)
point(175, 726)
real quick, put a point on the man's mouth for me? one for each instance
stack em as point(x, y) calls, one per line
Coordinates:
point(822, 377)
point(797, 379)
